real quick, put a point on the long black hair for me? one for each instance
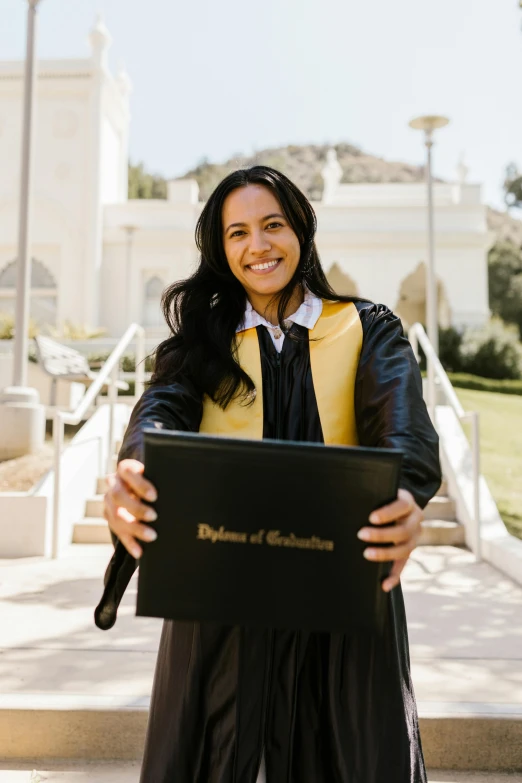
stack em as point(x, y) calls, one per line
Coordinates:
point(203, 311)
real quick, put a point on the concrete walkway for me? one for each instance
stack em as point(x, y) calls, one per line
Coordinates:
point(465, 624)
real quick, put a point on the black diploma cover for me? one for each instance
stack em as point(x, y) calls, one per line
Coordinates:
point(264, 533)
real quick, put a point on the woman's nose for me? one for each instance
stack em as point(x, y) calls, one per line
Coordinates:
point(259, 242)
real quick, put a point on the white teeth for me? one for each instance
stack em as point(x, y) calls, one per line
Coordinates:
point(264, 266)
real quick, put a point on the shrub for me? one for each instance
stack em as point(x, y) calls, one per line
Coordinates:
point(493, 351)
point(128, 361)
point(505, 282)
point(450, 342)
point(72, 331)
point(464, 381)
point(7, 327)
point(449, 350)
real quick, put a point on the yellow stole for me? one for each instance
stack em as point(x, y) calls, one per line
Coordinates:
point(335, 347)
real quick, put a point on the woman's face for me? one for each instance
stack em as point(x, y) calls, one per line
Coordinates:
point(261, 247)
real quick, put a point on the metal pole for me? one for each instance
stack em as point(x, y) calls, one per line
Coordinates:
point(139, 382)
point(113, 398)
point(431, 277)
point(58, 427)
point(24, 265)
point(414, 341)
point(475, 444)
point(431, 282)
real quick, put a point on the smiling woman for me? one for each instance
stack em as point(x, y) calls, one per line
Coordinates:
point(263, 252)
point(261, 346)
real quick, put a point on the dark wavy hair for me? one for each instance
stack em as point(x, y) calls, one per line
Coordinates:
point(204, 310)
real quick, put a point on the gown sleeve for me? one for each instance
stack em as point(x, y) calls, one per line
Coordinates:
point(389, 406)
point(174, 407)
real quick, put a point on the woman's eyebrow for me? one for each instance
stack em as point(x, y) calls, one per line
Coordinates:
point(267, 217)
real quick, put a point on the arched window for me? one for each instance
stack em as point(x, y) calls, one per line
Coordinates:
point(152, 315)
point(43, 293)
point(341, 282)
point(411, 304)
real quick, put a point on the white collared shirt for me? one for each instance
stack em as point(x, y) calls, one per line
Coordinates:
point(307, 315)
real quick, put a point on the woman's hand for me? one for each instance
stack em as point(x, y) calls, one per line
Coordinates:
point(403, 535)
point(123, 508)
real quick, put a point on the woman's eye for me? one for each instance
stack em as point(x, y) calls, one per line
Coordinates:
point(274, 224)
point(236, 232)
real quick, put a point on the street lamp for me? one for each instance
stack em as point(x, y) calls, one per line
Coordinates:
point(24, 260)
point(22, 418)
point(429, 124)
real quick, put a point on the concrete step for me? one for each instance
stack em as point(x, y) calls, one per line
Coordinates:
point(94, 506)
point(102, 485)
point(440, 507)
point(93, 771)
point(91, 530)
point(69, 726)
point(443, 490)
point(442, 532)
point(82, 771)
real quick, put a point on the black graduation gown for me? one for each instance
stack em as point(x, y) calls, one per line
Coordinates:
point(324, 708)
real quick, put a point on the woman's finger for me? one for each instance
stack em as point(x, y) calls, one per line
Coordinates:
point(393, 511)
point(131, 472)
point(131, 546)
point(119, 495)
point(394, 534)
point(385, 554)
point(129, 525)
point(127, 528)
point(394, 578)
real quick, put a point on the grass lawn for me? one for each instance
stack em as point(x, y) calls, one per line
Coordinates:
point(501, 449)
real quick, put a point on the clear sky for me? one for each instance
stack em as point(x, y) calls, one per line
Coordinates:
point(219, 77)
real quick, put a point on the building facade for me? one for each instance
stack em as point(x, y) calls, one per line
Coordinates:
point(103, 260)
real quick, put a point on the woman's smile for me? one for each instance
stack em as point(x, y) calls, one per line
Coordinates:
point(264, 267)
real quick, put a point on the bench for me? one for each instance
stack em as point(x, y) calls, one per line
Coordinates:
point(63, 363)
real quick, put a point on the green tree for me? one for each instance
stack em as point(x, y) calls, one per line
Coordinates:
point(145, 185)
point(505, 282)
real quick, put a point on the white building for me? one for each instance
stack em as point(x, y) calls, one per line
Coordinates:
point(101, 259)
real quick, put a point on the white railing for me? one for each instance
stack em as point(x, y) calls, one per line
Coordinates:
point(438, 381)
point(108, 375)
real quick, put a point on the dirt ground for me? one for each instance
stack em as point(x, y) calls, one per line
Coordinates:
point(19, 475)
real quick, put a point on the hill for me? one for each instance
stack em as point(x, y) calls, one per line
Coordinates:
point(303, 164)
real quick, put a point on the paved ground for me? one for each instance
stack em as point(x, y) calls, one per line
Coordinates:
point(465, 629)
point(465, 623)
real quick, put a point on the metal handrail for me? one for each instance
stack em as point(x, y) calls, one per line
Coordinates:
point(437, 373)
point(107, 374)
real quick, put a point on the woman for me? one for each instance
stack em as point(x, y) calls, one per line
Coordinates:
point(261, 346)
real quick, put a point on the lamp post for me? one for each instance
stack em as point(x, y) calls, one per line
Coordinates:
point(129, 230)
point(22, 418)
point(24, 261)
point(429, 124)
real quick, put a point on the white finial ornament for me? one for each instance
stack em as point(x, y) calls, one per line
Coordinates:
point(332, 173)
point(462, 170)
point(100, 40)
